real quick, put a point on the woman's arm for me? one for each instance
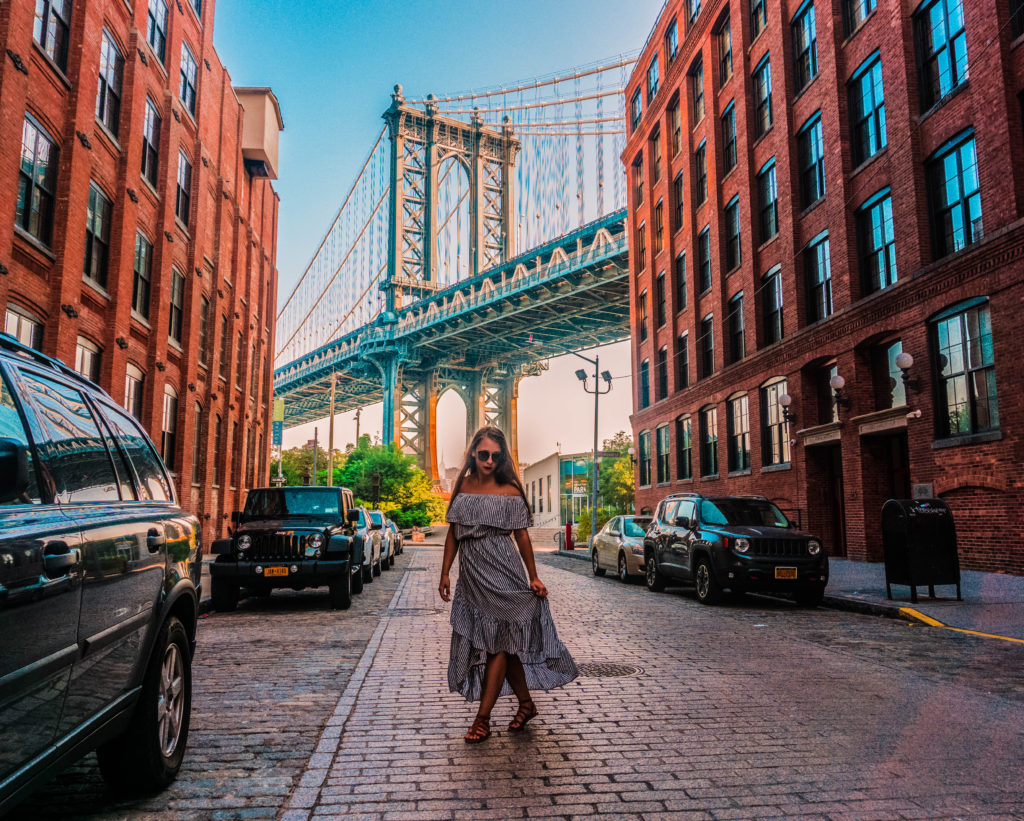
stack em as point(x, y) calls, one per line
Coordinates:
point(522, 538)
point(451, 547)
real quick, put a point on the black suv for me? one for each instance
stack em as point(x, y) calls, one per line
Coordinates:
point(738, 543)
point(99, 586)
point(293, 537)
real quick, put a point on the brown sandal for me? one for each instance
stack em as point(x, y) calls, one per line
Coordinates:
point(527, 710)
point(479, 730)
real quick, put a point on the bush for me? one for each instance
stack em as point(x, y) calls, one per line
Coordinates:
point(583, 522)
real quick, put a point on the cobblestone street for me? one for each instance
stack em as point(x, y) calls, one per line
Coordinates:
point(755, 709)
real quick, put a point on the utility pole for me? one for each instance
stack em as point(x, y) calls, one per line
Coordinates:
point(358, 411)
point(330, 436)
point(315, 446)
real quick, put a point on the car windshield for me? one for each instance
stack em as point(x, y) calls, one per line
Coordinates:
point(284, 502)
point(742, 512)
point(376, 517)
point(633, 528)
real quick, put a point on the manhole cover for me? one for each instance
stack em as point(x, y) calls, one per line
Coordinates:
point(607, 669)
point(414, 611)
point(414, 569)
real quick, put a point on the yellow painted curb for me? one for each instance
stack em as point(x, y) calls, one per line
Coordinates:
point(921, 617)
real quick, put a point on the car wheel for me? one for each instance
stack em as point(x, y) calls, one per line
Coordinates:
point(708, 589)
point(810, 596)
point(340, 591)
point(224, 595)
point(595, 563)
point(385, 563)
point(357, 581)
point(377, 567)
point(148, 755)
point(623, 569)
point(655, 578)
point(367, 572)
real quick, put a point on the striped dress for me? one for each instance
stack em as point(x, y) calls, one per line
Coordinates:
point(493, 608)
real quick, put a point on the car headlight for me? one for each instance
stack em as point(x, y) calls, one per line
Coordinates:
point(742, 545)
point(316, 540)
point(243, 542)
point(814, 547)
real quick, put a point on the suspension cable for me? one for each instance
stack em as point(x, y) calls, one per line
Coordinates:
point(539, 104)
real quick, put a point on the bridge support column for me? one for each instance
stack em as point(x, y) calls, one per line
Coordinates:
point(508, 412)
point(417, 431)
point(390, 368)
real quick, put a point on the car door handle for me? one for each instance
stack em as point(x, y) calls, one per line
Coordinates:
point(59, 564)
point(155, 540)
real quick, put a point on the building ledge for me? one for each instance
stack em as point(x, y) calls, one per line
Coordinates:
point(882, 421)
point(821, 434)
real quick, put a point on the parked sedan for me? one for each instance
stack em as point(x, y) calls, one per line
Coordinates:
point(387, 542)
point(620, 544)
point(396, 537)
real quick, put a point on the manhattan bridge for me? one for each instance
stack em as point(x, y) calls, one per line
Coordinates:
point(484, 234)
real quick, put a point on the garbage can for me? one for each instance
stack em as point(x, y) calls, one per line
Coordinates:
point(919, 541)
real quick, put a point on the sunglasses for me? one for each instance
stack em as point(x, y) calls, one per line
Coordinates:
point(488, 456)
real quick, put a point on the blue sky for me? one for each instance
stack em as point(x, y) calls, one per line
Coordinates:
point(333, 67)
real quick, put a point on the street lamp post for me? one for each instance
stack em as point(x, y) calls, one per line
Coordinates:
point(582, 376)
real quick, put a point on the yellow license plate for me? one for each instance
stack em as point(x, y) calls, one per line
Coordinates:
point(283, 571)
point(785, 572)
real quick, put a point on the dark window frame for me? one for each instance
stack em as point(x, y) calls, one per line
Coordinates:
point(176, 315)
point(866, 96)
point(708, 419)
point(684, 447)
point(37, 191)
point(704, 271)
point(723, 40)
point(958, 371)
point(945, 242)
point(876, 242)
point(663, 453)
point(729, 152)
point(762, 83)
point(706, 346)
point(683, 360)
point(700, 160)
point(183, 193)
point(110, 84)
point(737, 328)
point(936, 83)
point(142, 275)
point(811, 160)
point(99, 215)
point(738, 433)
point(645, 384)
point(661, 298)
point(733, 235)
point(775, 448)
point(51, 30)
point(661, 373)
point(817, 260)
point(767, 202)
point(151, 143)
point(773, 319)
point(156, 28)
point(805, 46)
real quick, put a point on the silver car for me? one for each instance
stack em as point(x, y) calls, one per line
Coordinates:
point(620, 545)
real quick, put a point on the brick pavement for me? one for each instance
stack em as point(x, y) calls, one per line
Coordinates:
point(728, 718)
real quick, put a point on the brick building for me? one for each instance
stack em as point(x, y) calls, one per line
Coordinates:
point(138, 225)
point(822, 192)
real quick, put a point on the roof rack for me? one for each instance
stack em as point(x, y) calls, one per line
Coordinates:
point(9, 343)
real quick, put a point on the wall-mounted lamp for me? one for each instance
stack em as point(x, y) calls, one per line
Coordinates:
point(632, 455)
point(837, 383)
point(787, 415)
point(905, 362)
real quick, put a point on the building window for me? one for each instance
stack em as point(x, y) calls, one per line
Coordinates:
point(142, 275)
point(890, 390)
point(1016, 18)
point(169, 427)
point(704, 260)
point(942, 45)
point(677, 197)
point(676, 124)
point(254, 370)
point(134, 382)
point(709, 441)
point(97, 236)
point(197, 6)
point(218, 447)
point(659, 291)
point(239, 359)
point(733, 245)
point(707, 347)
point(27, 329)
point(772, 300)
point(656, 155)
point(108, 96)
point(856, 12)
point(87, 359)
point(644, 457)
point(197, 447)
point(693, 7)
point(156, 28)
point(818, 278)
point(641, 311)
point(652, 79)
point(724, 38)
point(954, 196)
point(151, 143)
point(672, 40)
point(867, 110)
point(659, 228)
point(758, 17)
point(737, 338)
point(965, 367)
point(805, 46)
point(700, 160)
point(767, 202)
point(738, 424)
point(225, 349)
point(663, 372)
point(680, 281)
point(37, 182)
point(697, 91)
point(183, 200)
point(638, 180)
point(234, 449)
point(729, 138)
point(204, 332)
point(774, 436)
point(683, 360)
point(663, 449)
point(645, 383)
point(177, 305)
point(762, 97)
point(684, 448)
point(636, 111)
point(641, 247)
point(877, 244)
point(189, 75)
point(811, 159)
point(50, 30)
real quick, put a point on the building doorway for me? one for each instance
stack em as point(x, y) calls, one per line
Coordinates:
point(886, 475)
point(826, 509)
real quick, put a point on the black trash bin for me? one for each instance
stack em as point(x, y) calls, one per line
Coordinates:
point(919, 540)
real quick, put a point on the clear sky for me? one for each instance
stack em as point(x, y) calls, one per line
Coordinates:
point(333, 65)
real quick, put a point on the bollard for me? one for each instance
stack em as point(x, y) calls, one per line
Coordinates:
point(568, 536)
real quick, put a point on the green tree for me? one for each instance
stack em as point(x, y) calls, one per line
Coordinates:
point(385, 477)
point(616, 486)
point(298, 466)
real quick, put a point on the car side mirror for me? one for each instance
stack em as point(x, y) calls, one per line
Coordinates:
point(352, 516)
point(614, 533)
point(684, 521)
point(236, 516)
point(13, 469)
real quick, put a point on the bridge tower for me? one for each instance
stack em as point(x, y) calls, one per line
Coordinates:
point(421, 140)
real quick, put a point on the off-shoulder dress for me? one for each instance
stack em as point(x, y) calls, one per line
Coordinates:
point(493, 608)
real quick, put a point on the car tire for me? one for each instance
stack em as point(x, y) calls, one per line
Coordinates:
point(367, 572)
point(357, 581)
point(709, 591)
point(224, 595)
point(656, 580)
point(623, 572)
point(810, 596)
point(377, 567)
point(340, 592)
point(148, 755)
point(595, 564)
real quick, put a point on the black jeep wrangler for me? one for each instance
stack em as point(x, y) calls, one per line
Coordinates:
point(739, 543)
point(293, 537)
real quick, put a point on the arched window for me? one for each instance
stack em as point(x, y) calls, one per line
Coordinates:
point(684, 447)
point(169, 427)
point(218, 445)
point(738, 424)
point(197, 447)
point(87, 359)
point(134, 382)
point(774, 433)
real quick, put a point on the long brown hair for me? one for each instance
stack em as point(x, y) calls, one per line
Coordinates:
point(505, 472)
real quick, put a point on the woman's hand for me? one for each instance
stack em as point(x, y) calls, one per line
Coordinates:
point(538, 588)
point(444, 588)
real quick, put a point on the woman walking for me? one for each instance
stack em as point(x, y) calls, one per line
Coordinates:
point(503, 638)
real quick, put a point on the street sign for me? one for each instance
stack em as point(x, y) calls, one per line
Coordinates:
point(278, 410)
point(277, 432)
point(277, 480)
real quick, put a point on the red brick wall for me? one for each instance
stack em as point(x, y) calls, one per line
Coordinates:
point(980, 467)
point(227, 252)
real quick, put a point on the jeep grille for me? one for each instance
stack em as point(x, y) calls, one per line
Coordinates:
point(788, 548)
point(278, 546)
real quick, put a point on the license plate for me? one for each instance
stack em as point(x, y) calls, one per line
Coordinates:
point(785, 572)
point(283, 571)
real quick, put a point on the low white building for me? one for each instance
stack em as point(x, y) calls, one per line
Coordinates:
point(540, 481)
